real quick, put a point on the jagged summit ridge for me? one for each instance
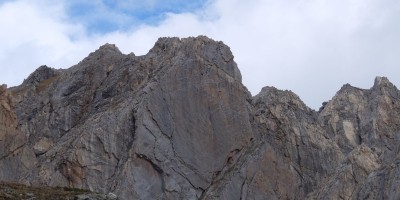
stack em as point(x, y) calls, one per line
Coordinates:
point(201, 48)
point(382, 81)
point(214, 53)
point(40, 74)
point(177, 123)
point(274, 95)
point(105, 49)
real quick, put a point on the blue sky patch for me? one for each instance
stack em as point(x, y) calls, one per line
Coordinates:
point(103, 16)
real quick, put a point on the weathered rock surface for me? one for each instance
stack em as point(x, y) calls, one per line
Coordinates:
point(366, 125)
point(16, 156)
point(177, 123)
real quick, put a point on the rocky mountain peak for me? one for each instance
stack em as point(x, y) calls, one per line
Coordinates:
point(42, 73)
point(347, 89)
point(382, 86)
point(111, 48)
point(165, 44)
point(381, 81)
point(212, 53)
point(196, 44)
point(274, 96)
point(104, 55)
point(177, 123)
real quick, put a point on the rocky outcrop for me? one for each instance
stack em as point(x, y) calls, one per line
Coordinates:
point(177, 123)
point(365, 124)
point(16, 157)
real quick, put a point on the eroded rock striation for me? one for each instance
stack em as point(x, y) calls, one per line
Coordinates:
point(177, 123)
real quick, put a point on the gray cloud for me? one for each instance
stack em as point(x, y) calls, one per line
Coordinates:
point(309, 47)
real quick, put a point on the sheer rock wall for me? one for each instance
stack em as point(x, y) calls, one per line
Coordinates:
point(177, 123)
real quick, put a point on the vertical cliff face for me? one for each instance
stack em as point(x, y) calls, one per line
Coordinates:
point(16, 157)
point(177, 123)
point(162, 125)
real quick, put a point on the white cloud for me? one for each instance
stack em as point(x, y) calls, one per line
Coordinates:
point(36, 34)
point(310, 47)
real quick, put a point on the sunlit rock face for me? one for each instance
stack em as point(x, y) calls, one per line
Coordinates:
point(177, 123)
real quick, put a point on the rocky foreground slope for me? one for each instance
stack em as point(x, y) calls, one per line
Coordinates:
point(15, 191)
point(177, 123)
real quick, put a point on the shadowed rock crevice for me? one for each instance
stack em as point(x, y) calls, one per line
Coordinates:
point(177, 123)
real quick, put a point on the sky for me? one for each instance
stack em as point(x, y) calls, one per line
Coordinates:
point(311, 47)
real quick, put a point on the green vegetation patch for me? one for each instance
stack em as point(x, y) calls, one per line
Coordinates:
point(20, 191)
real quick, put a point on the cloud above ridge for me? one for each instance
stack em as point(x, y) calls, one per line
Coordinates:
point(309, 47)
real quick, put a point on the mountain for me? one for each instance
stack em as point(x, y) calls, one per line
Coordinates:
point(177, 123)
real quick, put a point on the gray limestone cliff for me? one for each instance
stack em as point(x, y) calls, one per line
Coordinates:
point(177, 123)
